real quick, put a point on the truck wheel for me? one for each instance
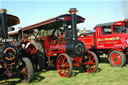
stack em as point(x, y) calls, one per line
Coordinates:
point(117, 58)
point(90, 62)
point(26, 70)
point(64, 65)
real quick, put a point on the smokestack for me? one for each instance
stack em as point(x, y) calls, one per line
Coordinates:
point(76, 47)
point(73, 12)
point(3, 23)
point(126, 23)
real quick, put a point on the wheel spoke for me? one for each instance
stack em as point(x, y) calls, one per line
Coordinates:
point(93, 59)
point(68, 69)
point(93, 63)
point(90, 56)
point(25, 73)
point(60, 62)
point(63, 59)
point(65, 73)
point(88, 69)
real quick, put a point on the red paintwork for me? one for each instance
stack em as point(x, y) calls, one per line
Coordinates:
point(119, 23)
point(67, 18)
point(77, 61)
point(26, 40)
point(109, 41)
point(87, 40)
point(54, 47)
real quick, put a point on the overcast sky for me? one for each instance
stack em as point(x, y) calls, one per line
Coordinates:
point(95, 11)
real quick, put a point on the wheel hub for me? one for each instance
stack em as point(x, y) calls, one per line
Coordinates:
point(62, 65)
point(90, 62)
point(116, 59)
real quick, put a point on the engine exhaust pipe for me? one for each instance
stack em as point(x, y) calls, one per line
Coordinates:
point(73, 12)
point(126, 23)
point(4, 28)
point(75, 47)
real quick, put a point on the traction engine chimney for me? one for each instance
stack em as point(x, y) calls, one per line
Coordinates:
point(74, 47)
point(4, 28)
point(126, 23)
point(73, 12)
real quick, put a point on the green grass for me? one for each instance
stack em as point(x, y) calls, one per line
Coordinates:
point(106, 75)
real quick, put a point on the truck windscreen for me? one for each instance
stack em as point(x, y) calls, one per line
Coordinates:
point(119, 29)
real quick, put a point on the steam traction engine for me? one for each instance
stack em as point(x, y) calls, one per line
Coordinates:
point(57, 39)
point(110, 39)
point(11, 60)
point(28, 47)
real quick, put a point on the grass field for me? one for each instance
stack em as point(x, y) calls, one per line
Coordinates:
point(106, 75)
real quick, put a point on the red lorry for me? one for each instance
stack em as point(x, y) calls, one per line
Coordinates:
point(110, 39)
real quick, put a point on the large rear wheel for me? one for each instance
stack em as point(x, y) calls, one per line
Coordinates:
point(90, 62)
point(26, 70)
point(64, 65)
point(117, 58)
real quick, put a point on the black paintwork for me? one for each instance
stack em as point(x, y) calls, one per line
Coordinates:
point(4, 28)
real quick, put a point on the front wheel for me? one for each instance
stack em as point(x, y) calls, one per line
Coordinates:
point(64, 65)
point(117, 58)
point(26, 70)
point(90, 62)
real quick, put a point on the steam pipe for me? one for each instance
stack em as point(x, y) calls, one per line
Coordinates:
point(126, 24)
point(73, 12)
point(4, 26)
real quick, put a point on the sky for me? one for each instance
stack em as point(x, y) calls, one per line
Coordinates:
point(94, 11)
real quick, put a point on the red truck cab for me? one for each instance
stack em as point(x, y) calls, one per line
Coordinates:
point(111, 39)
